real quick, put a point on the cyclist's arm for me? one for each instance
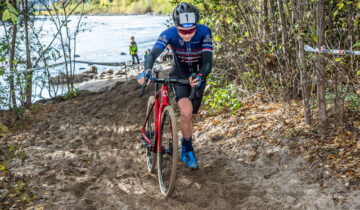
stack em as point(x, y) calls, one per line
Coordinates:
point(207, 53)
point(206, 64)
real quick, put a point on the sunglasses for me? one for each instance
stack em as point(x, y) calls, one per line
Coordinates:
point(184, 32)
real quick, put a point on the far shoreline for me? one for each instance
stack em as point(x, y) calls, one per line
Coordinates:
point(104, 14)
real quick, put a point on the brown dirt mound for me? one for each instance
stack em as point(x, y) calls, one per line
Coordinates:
point(87, 155)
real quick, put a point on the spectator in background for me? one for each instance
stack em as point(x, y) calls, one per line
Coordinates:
point(169, 53)
point(146, 53)
point(133, 50)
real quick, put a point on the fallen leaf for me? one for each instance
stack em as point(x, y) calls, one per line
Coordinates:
point(216, 122)
point(332, 156)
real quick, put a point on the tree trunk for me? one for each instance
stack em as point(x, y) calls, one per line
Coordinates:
point(286, 51)
point(28, 87)
point(321, 68)
point(264, 16)
point(274, 26)
point(11, 60)
point(275, 32)
point(298, 8)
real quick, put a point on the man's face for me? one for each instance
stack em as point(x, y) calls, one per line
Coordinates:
point(186, 33)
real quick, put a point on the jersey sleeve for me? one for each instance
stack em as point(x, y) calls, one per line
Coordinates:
point(207, 54)
point(207, 41)
point(163, 40)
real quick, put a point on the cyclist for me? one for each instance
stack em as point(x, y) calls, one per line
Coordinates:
point(191, 44)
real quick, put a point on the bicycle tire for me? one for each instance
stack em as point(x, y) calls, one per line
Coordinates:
point(151, 134)
point(169, 152)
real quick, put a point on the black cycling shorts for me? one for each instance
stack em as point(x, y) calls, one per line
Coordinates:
point(183, 91)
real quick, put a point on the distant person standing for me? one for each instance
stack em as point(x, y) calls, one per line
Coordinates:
point(146, 53)
point(169, 53)
point(133, 50)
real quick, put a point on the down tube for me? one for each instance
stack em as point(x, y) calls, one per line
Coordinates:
point(164, 102)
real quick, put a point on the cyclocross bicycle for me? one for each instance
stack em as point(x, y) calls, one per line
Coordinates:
point(159, 134)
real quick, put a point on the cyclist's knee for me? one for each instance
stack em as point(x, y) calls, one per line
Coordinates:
point(186, 115)
point(186, 109)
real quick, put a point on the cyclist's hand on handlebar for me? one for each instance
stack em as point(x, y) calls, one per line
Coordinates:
point(141, 78)
point(196, 82)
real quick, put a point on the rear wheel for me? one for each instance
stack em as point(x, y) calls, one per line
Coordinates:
point(150, 133)
point(167, 154)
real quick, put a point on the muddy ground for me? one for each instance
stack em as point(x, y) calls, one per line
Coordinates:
point(84, 153)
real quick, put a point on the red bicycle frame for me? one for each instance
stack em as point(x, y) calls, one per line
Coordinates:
point(163, 94)
point(159, 107)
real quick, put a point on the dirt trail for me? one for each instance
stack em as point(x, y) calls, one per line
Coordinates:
point(87, 155)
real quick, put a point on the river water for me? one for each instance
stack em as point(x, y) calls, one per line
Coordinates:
point(110, 35)
point(101, 39)
point(105, 37)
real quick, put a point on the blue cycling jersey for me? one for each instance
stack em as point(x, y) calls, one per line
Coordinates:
point(187, 54)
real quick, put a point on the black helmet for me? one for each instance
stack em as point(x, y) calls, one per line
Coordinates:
point(185, 15)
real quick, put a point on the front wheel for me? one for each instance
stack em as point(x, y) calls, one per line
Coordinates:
point(150, 133)
point(167, 154)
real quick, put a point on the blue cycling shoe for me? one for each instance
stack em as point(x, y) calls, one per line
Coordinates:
point(188, 157)
point(183, 156)
point(191, 161)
